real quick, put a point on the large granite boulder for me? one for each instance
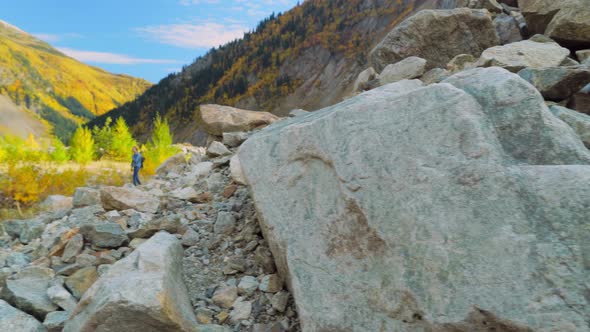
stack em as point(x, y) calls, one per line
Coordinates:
point(14, 320)
point(217, 119)
point(566, 21)
point(524, 54)
point(557, 83)
point(122, 198)
point(142, 292)
point(460, 206)
point(437, 36)
point(507, 29)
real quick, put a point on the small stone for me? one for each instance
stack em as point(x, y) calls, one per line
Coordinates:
point(105, 235)
point(80, 281)
point(279, 301)
point(55, 321)
point(225, 296)
point(86, 260)
point(103, 269)
point(241, 310)
point(61, 297)
point(247, 285)
point(229, 191)
point(190, 238)
point(225, 223)
point(73, 248)
point(217, 149)
point(234, 139)
point(136, 242)
point(222, 317)
point(106, 258)
point(203, 198)
point(271, 283)
point(204, 316)
point(69, 269)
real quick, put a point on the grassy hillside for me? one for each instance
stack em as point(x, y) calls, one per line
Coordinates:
point(58, 88)
point(306, 58)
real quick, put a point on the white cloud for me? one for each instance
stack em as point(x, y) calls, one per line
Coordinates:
point(110, 58)
point(53, 37)
point(47, 37)
point(199, 35)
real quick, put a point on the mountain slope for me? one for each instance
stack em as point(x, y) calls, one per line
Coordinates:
point(17, 121)
point(305, 58)
point(58, 88)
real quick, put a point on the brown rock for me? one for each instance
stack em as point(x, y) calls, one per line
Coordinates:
point(229, 191)
point(81, 280)
point(218, 119)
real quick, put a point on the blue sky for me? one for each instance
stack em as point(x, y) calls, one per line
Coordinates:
point(143, 38)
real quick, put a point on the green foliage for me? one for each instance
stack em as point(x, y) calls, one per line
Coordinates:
point(160, 146)
point(60, 153)
point(122, 141)
point(82, 146)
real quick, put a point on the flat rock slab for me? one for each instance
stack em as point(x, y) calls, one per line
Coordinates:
point(524, 54)
point(120, 198)
point(219, 119)
point(438, 208)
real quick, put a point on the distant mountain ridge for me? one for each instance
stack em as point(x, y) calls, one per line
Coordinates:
point(60, 90)
point(307, 57)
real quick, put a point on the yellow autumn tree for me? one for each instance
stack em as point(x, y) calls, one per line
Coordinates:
point(82, 146)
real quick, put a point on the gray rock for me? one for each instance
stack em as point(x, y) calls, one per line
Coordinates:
point(55, 321)
point(28, 291)
point(79, 282)
point(85, 215)
point(86, 260)
point(271, 283)
point(524, 54)
point(247, 286)
point(241, 310)
point(461, 62)
point(571, 24)
point(435, 75)
point(142, 292)
point(55, 203)
point(477, 197)
point(120, 198)
point(279, 301)
point(17, 259)
point(507, 29)
point(437, 36)
point(225, 296)
point(185, 194)
point(225, 223)
point(61, 297)
point(85, 196)
point(297, 112)
point(103, 269)
point(25, 230)
point(73, 248)
point(217, 149)
point(104, 235)
point(236, 170)
point(190, 238)
point(583, 56)
point(407, 68)
point(14, 320)
point(557, 83)
point(150, 226)
point(362, 80)
point(579, 122)
point(234, 139)
point(177, 163)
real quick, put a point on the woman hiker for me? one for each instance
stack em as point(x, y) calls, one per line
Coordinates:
point(136, 164)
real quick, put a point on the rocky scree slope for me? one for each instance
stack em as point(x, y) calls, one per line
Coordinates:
point(183, 252)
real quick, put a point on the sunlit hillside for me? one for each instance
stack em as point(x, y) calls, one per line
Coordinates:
point(59, 89)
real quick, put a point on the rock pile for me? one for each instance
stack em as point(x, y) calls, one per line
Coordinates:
point(183, 252)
